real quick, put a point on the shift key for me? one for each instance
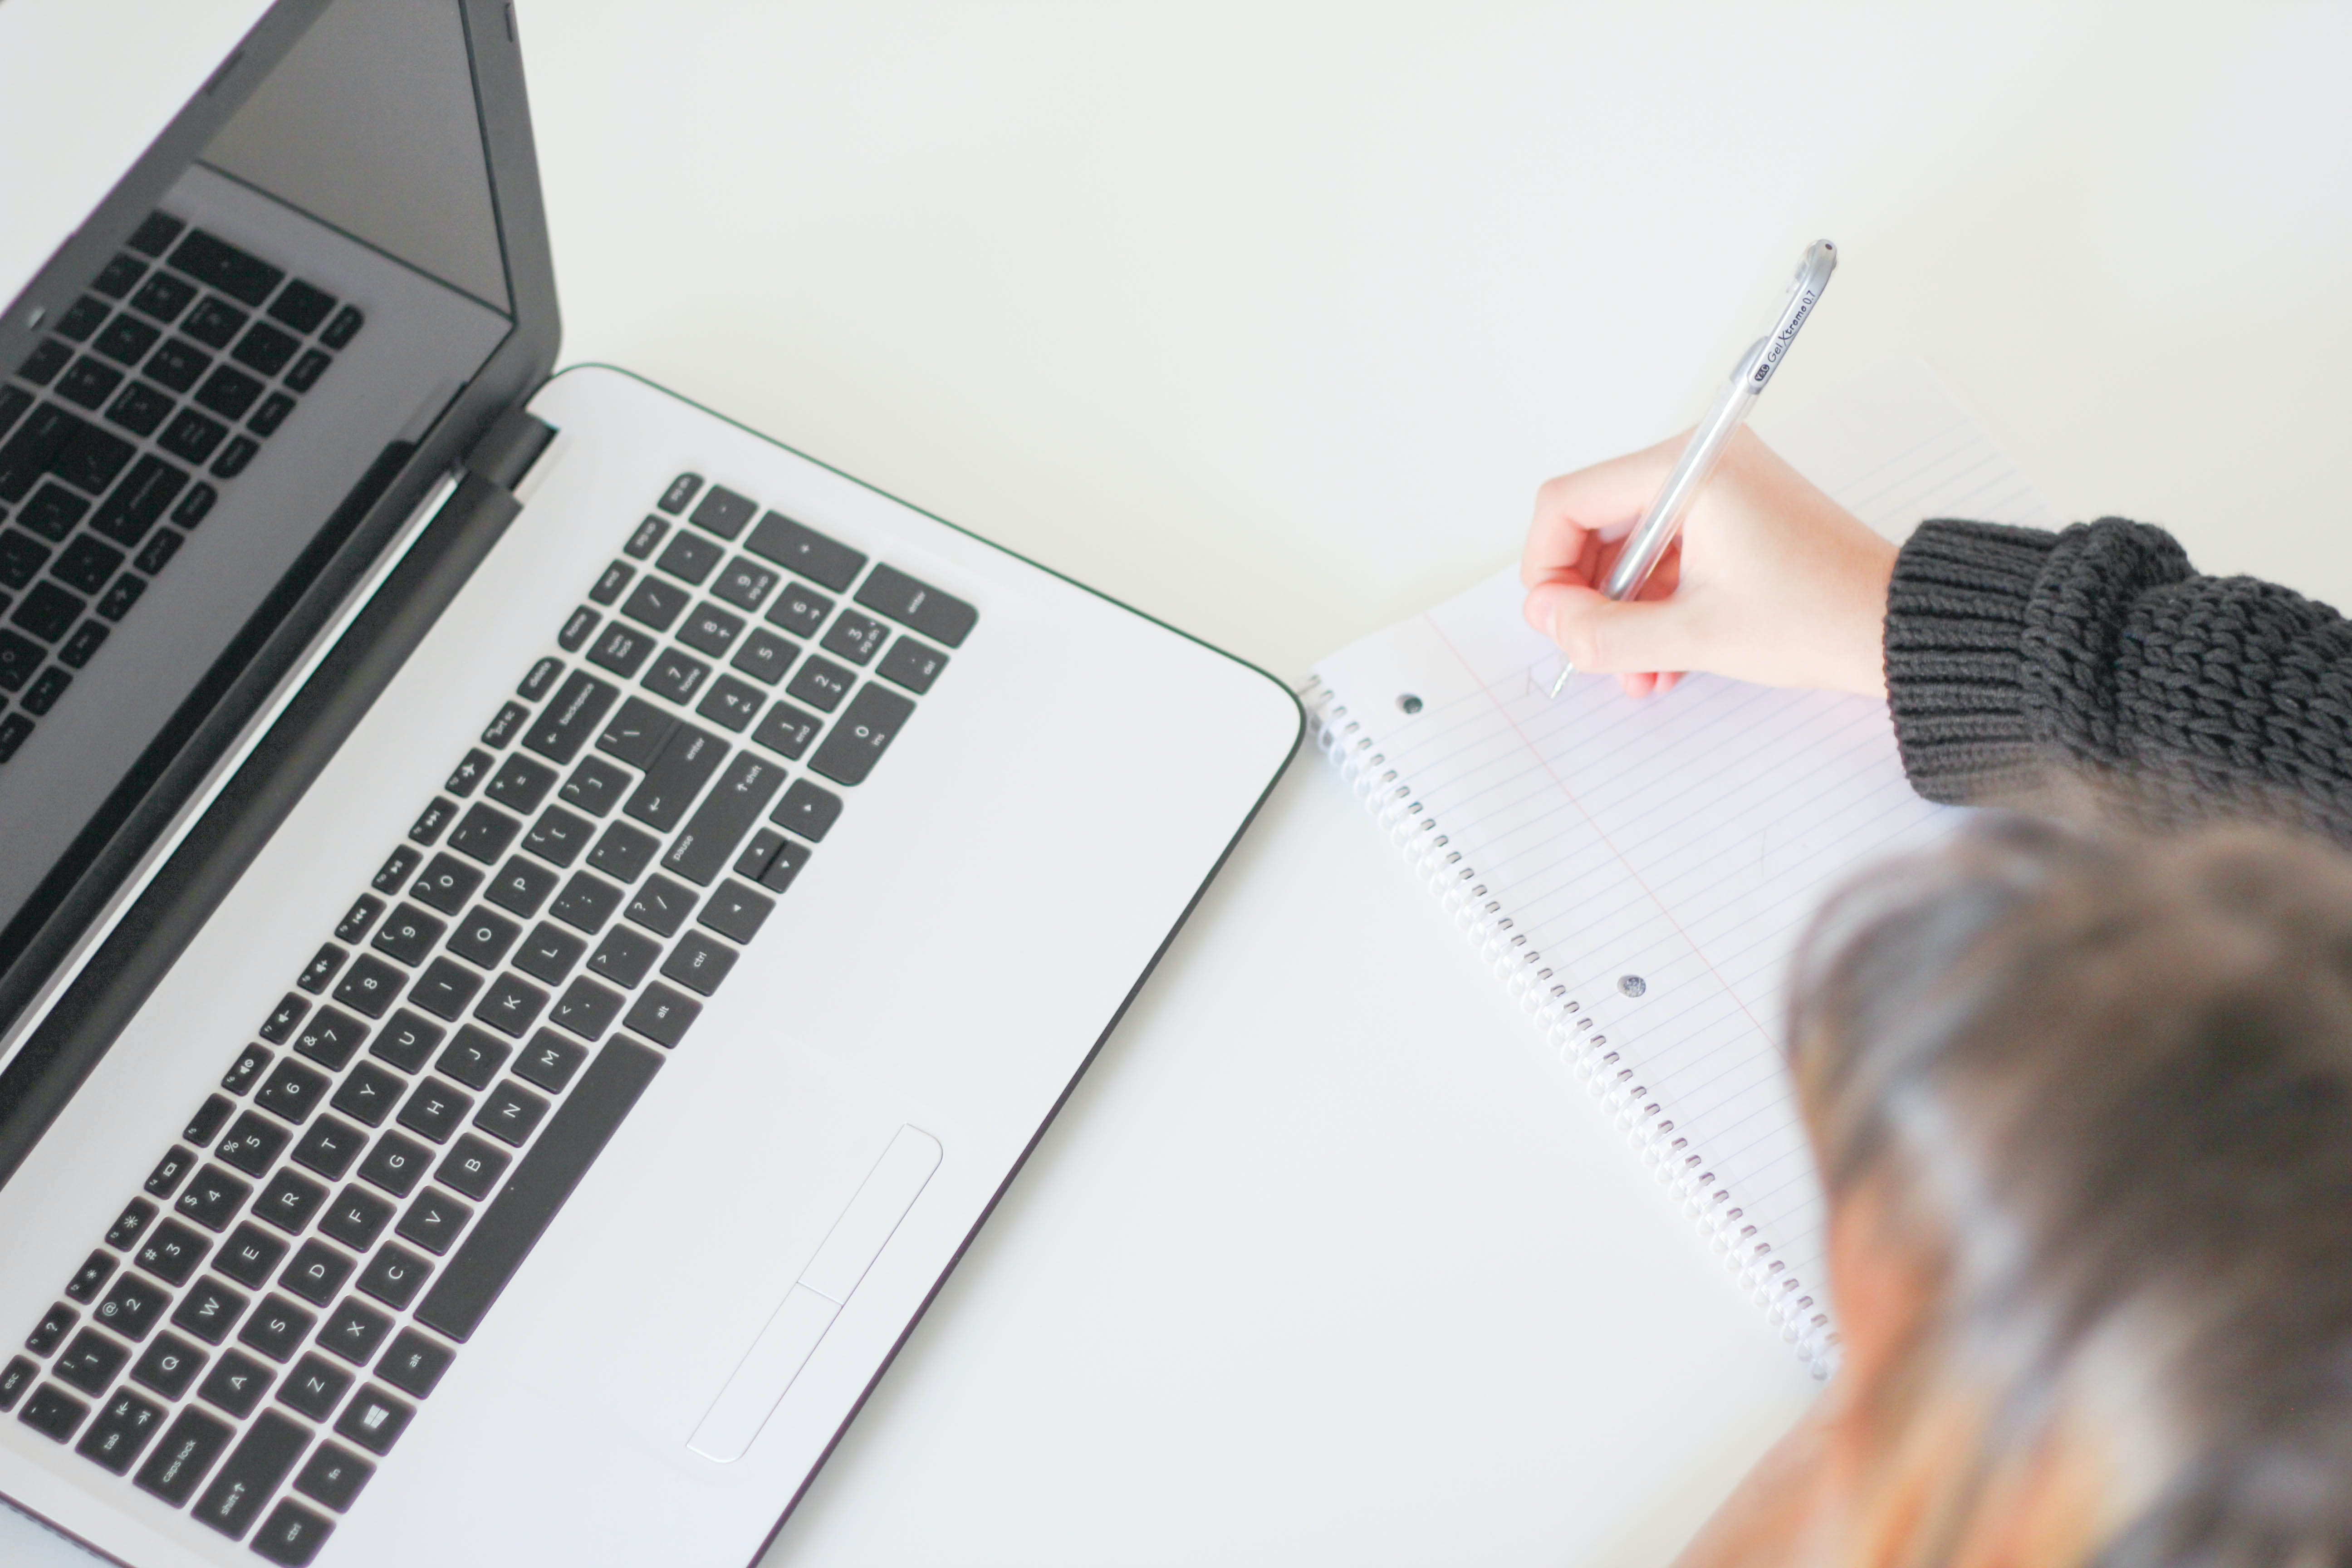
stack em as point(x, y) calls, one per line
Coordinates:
point(686, 762)
point(568, 722)
point(709, 840)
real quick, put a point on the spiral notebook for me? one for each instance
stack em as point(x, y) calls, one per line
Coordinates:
point(1640, 872)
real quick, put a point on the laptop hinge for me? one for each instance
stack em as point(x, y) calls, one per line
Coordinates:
point(509, 447)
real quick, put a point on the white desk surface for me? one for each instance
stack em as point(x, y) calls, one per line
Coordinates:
point(1267, 320)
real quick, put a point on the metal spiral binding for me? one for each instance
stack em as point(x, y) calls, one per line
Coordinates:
point(1798, 1312)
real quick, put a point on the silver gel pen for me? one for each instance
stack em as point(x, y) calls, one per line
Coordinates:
point(1646, 545)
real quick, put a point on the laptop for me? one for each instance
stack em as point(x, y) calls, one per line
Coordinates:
point(535, 921)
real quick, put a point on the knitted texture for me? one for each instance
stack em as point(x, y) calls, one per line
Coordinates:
point(2021, 664)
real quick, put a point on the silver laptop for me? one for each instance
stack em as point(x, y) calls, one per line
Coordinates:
point(535, 922)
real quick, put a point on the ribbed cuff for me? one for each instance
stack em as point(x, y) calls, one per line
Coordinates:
point(1955, 624)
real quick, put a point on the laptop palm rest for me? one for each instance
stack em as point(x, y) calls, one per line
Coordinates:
point(808, 1309)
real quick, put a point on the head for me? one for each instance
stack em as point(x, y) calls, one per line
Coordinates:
point(2084, 1109)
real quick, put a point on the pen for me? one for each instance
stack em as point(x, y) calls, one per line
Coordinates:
point(1646, 545)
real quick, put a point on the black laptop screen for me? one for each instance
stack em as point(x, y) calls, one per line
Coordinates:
point(206, 414)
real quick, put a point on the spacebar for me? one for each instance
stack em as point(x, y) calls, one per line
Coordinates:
point(511, 1226)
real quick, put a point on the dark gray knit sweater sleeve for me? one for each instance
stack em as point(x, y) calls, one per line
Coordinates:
point(2017, 658)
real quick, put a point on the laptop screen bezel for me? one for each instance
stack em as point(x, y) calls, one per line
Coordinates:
point(64, 1031)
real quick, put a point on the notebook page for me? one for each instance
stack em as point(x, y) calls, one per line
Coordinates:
point(1640, 871)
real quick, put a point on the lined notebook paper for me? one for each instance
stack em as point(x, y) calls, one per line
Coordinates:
point(1640, 871)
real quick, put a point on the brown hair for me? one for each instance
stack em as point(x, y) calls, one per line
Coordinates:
point(2101, 1087)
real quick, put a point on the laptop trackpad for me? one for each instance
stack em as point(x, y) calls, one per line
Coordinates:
point(808, 1309)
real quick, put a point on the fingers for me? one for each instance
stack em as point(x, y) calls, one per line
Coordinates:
point(1606, 637)
point(1572, 509)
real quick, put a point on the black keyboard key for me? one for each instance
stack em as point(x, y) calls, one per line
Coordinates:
point(549, 1061)
point(406, 1041)
point(170, 1171)
point(482, 938)
point(522, 886)
point(85, 564)
point(511, 1005)
point(710, 630)
point(222, 266)
point(172, 1253)
point(126, 340)
point(29, 453)
point(214, 1197)
point(317, 1272)
point(686, 762)
point(292, 1092)
point(653, 603)
point(447, 884)
point(48, 612)
point(853, 636)
point(596, 787)
point(567, 722)
point(799, 610)
point(745, 582)
point(699, 962)
point(808, 810)
point(41, 367)
point(722, 511)
point(248, 1257)
point(586, 1008)
point(346, 325)
point(709, 841)
point(374, 1420)
point(87, 639)
point(586, 903)
point(290, 1201)
point(335, 1475)
point(435, 821)
point(51, 1331)
point(21, 556)
point(236, 1383)
point(473, 1165)
point(47, 687)
point(625, 957)
point(354, 1329)
point(178, 365)
point(468, 772)
point(616, 577)
point(732, 704)
point(292, 1534)
point(394, 1164)
point(513, 1221)
point(867, 727)
point(139, 409)
point(485, 833)
point(575, 635)
point(265, 420)
point(132, 1308)
point(308, 369)
point(548, 954)
point(505, 725)
point(822, 684)
point(155, 233)
point(163, 297)
point(559, 836)
point(396, 870)
point(53, 1412)
point(371, 985)
point(414, 1364)
point(53, 512)
point(233, 458)
point(624, 853)
point(90, 1363)
point(19, 656)
point(277, 1028)
point(131, 1225)
point(330, 1147)
point(331, 1037)
point(736, 911)
point(168, 1366)
point(681, 490)
point(356, 1217)
point(82, 319)
point(394, 1276)
point(92, 1277)
point(638, 732)
point(88, 382)
point(648, 535)
point(314, 1388)
point(444, 988)
point(662, 906)
point(14, 400)
point(265, 349)
point(121, 596)
point(13, 728)
point(432, 1221)
point(227, 392)
point(191, 437)
point(821, 560)
point(252, 1145)
point(360, 919)
point(918, 606)
point(510, 1112)
point(17, 1377)
point(765, 656)
point(691, 557)
point(436, 1108)
point(301, 307)
point(125, 1425)
point(277, 1328)
point(662, 1015)
point(194, 1444)
point(368, 1095)
point(539, 678)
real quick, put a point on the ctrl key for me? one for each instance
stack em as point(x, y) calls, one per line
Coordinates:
point(291, 1535)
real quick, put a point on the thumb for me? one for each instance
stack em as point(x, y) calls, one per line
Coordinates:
point(1609, 637)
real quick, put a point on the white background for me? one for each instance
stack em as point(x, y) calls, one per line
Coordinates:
point(1268, 318)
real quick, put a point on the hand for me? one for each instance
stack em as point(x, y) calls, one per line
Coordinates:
point(1771, 580)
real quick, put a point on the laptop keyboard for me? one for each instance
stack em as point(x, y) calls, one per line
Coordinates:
point(255, 1333)
point(153, 390)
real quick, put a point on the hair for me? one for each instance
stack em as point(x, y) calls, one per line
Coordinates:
point(2098, 1088)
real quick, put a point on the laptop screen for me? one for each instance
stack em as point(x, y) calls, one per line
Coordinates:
point(199, 428)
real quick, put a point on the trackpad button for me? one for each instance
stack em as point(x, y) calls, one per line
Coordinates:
point(808, 1309)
